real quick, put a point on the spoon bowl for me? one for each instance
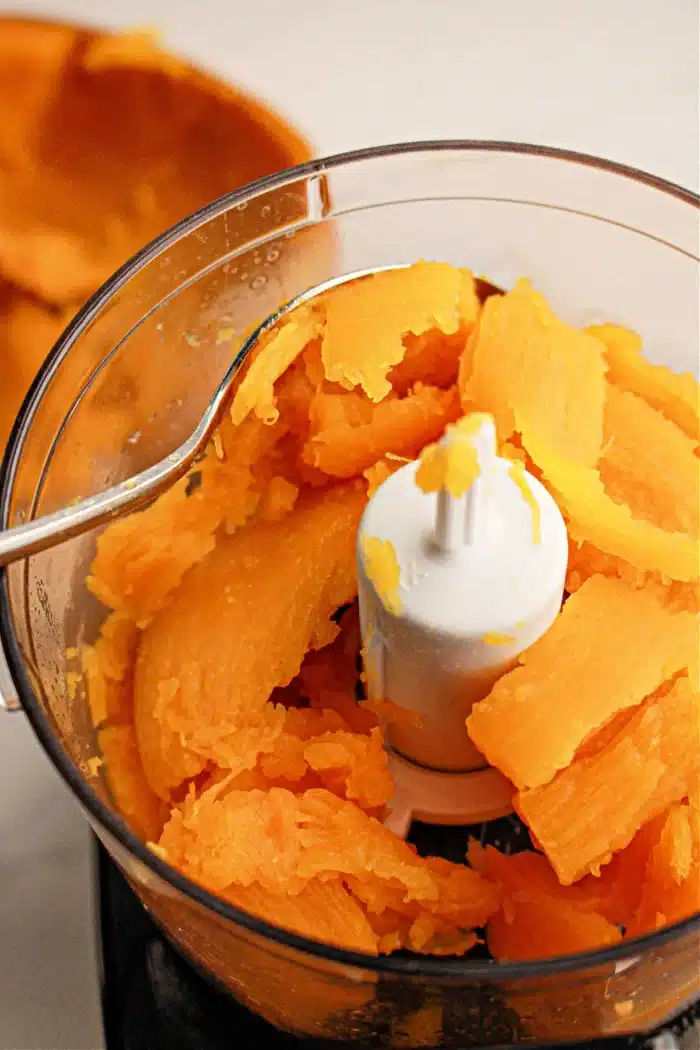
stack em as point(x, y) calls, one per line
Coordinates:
point(142, 488)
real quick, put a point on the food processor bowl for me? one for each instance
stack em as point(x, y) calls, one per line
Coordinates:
point(125, 386)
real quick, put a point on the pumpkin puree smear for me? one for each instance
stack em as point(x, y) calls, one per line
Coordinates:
point(224, 683)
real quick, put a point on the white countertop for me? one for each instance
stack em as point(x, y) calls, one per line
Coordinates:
point(618, 78)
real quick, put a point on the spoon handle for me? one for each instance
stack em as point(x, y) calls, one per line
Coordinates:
point(52, 529)
point(112, 503)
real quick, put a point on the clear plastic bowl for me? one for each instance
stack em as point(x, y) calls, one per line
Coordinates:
point(125, 385)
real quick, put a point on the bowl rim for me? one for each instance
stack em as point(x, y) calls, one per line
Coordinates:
point(449, 970)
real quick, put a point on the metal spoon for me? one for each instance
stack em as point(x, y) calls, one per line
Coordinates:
point(119, 500)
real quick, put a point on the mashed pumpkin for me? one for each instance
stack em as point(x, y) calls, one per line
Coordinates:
point(225, 682)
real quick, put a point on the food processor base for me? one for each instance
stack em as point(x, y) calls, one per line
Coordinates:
point(153, 999)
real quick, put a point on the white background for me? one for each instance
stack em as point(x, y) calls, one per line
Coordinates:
point(614, 77)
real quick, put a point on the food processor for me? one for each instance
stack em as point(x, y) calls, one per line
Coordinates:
point(127, 384)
